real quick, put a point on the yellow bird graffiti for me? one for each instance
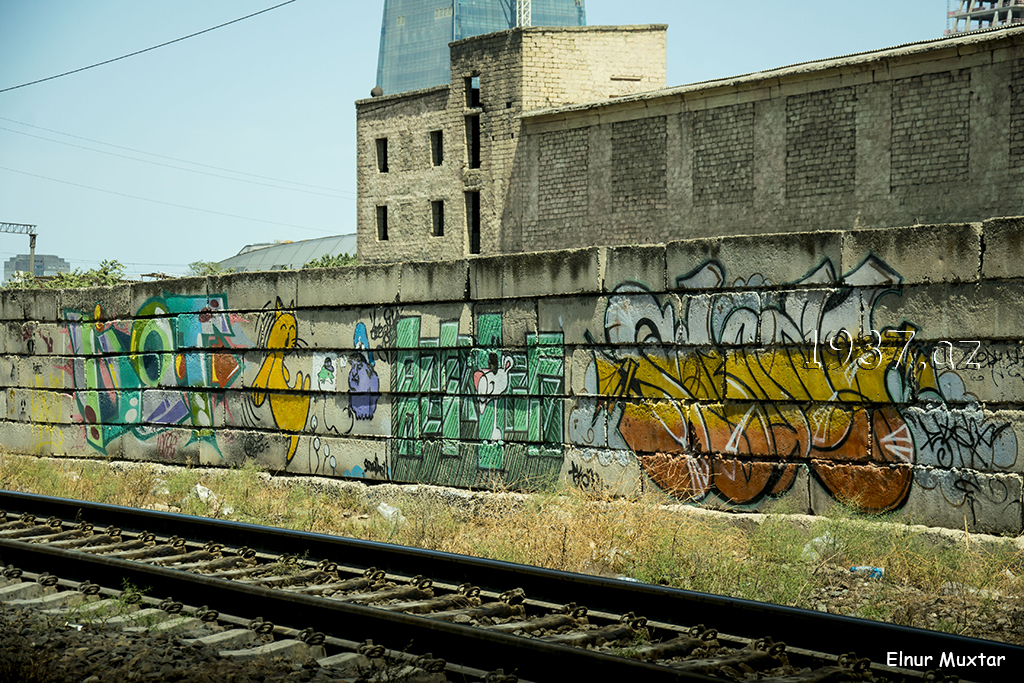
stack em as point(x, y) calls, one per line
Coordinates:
point(289, 410)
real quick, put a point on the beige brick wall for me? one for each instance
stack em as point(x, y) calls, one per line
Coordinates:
point(518, 70)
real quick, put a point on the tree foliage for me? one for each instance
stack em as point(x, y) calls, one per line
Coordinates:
point(332, 261)
point(109, 273)
point(205, 268)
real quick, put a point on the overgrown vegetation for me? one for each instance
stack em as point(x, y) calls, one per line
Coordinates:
point(206, 268)
point(332, 261)
point(109, 273)
point(777, 557)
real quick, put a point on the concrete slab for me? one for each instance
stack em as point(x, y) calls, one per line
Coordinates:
point(602, 470)
point(351, 286)
point(536, 274)
point(1003, 256)
point(143, 293)
point(346, 664)
point(644, 265)
point(753, 260)
point(169, 445)
point(434, 281)
point(52, 601)
point(967, 437)
point(26, 590)
point(342, 457)
point(248, 292)
point(110, 303)
point(233, 447)
point(287, 649)
point(942, 253)
point(955, 498)
point(993, 372)
point(233, 639)
point(576, 317)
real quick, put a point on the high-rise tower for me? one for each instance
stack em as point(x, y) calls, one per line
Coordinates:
point(975, 14)
point(414, 34)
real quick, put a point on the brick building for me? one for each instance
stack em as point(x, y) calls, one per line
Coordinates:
point(550, 138)
point(435, 166)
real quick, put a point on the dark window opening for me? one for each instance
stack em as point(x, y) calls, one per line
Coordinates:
point(473, 141)
point(473, 91)
point(382, 155)
point(437, 147)
point(473, 221)
point(382, 223)
point(437, 217)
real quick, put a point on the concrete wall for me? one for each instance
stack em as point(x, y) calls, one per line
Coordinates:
point(701, 368)
point(927, 133)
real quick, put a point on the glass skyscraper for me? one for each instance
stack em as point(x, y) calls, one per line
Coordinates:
point(414, 34)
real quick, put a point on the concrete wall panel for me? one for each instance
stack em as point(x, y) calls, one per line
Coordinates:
point(732, 373)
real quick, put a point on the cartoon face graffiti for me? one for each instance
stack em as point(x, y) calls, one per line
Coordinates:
point(489, 383)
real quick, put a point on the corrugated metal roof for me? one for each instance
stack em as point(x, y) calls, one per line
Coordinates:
point(292, 255)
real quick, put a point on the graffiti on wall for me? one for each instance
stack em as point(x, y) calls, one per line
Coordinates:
point(735, 396)
point(278, 332)
point(467, 411)
point(187, 344)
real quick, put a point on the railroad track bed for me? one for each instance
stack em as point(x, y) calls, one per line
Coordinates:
point(59, 630)
point(503, 618)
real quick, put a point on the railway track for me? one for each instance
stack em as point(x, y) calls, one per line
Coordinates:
point(475, 616)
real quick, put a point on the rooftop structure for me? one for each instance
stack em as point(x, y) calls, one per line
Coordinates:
point(414, 34)
point(975, 14)
point(288, 255)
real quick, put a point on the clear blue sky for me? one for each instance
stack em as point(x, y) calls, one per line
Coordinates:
point(273, 96)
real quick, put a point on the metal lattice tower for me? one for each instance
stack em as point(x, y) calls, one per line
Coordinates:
point(975, 14)
point(524, 15)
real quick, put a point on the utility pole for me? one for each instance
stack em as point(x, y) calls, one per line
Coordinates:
point(23, 229)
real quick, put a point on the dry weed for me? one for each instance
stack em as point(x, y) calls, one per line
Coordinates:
point(564, 528)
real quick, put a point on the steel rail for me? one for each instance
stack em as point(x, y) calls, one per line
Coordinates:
point(528, 658)
point(809, 630)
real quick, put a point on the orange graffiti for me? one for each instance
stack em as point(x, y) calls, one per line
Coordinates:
point(741, 422)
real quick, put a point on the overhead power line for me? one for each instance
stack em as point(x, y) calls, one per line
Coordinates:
point(148, 49)
point(159, 201)
point(179, 168)
point(162, 156)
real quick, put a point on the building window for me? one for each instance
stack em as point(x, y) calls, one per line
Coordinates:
point(382, 155)
point(382, 223)
point(473, 221)
point(437, 217)
point(473, 92)
point(473, 141)
point(436, 147)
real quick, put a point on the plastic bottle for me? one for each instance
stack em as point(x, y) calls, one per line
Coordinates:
point(870, 572)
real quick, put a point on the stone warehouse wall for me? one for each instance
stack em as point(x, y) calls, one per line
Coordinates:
point(881, 368)
point(925, 133)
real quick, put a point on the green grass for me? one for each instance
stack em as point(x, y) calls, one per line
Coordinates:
point(756, 557)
